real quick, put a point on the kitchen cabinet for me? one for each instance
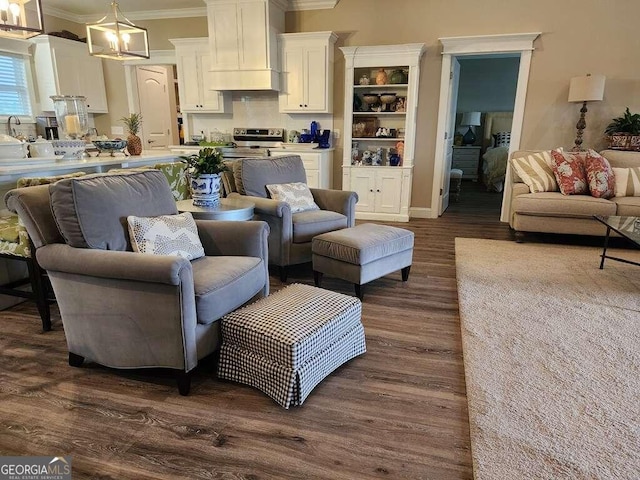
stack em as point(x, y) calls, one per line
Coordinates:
point(243, 43)
point(380, 117)
point(64, 67)
point(193, 61)
point(307, 72)
point(318, 164)
point(467, 159)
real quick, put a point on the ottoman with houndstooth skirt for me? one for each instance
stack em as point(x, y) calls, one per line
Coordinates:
point(287, 343)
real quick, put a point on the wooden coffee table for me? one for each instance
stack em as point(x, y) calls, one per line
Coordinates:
point(229, 209)
point(627, 227)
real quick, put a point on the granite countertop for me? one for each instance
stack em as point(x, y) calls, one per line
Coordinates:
point(21, 166)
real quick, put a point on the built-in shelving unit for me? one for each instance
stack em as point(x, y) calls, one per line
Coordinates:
point(384, 191)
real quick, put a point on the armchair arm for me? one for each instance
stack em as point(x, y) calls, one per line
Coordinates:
point(234, 238)
point(165, 269)
point(266, 206)
point(341, 201)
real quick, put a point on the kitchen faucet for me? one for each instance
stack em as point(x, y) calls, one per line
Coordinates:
point(12, 131)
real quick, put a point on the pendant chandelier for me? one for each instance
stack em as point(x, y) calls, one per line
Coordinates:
point(114, 36)
point(20, 18)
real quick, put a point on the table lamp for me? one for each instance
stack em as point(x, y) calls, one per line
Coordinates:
point(470, 119)
point(588, 88)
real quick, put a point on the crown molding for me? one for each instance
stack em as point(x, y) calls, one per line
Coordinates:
point(293, 5)
point(297, 5)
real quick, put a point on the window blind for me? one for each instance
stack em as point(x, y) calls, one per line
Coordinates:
point(14, 91)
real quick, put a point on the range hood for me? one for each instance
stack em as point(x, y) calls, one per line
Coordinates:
point(243, 43)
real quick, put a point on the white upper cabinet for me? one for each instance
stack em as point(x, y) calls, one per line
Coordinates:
point(242, 38)
point(193, 63)
point(64, 67)
point(307, 72)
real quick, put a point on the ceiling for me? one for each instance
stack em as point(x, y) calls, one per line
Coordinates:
point(83, 11)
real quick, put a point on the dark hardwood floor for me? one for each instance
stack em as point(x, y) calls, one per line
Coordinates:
point(399, 411)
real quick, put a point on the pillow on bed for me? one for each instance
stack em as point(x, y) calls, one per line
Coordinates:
point(501, 139)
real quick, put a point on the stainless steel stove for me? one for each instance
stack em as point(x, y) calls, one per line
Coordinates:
point(253, 142)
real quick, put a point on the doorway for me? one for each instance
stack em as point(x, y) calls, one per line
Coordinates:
point(484, 96)
point(454, 48)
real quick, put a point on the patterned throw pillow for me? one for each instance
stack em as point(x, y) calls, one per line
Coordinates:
point(166, 235)
point(627, 181)
point(536, 171)
point(502, 139)
point(570, 172)
point(600, 176)
point(297, 195)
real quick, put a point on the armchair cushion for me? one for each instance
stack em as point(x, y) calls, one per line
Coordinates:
point(223, 283)
point(166, 235)
point(91, 211)
point(251, 175)
point(296, 194)
point(307, 225)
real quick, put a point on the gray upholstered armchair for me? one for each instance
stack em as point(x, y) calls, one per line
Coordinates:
point(133, 310)
point(291, 233)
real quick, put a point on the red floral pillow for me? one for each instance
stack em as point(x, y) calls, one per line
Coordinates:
point(570, 173)
point(602, 182)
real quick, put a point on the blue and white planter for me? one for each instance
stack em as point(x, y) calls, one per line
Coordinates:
point(205, 190)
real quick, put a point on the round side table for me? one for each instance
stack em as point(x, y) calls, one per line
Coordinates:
point(229, 209)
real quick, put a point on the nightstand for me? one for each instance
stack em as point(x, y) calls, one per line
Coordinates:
point(466, 159)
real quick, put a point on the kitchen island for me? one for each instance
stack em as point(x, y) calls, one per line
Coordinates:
point(12, 170)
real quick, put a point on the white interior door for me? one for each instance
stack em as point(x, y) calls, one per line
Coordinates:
point(454, 81)
point(155, 106)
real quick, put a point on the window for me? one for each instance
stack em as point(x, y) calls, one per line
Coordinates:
point(14, 87)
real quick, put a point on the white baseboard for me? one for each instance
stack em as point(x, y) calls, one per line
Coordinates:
point(419, 212)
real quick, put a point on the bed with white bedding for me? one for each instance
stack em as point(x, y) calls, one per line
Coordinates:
point(496, 138)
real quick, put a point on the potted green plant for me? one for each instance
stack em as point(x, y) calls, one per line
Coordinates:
point(132, 122)
point(623, 132)
point(205, 168)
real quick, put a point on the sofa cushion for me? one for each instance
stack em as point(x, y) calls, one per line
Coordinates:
point(296, 194)
point(79, 206)
point(166, 235)
point(627, 181)
point(555, 204)
point(600, 176)
point(627, 206)
point(223, 284)
point(536, 171)
point(251, 175)
point(570, 173)
point(307, 225)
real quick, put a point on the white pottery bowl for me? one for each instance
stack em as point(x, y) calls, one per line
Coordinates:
point(41, 148)
point(70, 149)
point(13, 150)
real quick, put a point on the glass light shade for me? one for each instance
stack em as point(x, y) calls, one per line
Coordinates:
point(72, 116)
point(20, 18)
point(116, 38)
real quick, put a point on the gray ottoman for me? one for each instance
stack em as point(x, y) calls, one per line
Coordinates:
point(287, 343)
point(362, 253)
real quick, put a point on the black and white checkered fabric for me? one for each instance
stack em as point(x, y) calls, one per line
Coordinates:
point(287, 343)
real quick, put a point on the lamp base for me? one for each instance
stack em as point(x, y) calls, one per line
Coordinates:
point(469, 137)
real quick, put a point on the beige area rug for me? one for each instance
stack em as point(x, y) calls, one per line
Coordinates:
point(552, 360)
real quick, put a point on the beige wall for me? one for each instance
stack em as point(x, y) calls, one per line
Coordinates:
point(578, 37)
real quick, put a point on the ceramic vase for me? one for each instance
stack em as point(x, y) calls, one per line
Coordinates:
point(205, 190)
point(381, 77)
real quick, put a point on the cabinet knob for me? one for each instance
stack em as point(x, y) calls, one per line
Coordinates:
point(378, 190)
point(371, 190)
point(306, 105)
point(300, 105)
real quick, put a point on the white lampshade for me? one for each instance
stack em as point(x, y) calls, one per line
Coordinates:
point(470, 119)
point(588, 88)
